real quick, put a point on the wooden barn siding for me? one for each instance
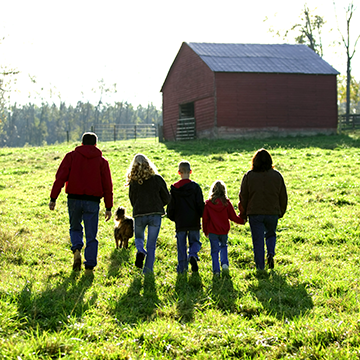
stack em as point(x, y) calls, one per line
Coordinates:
point(276, 100)
point(189, 80)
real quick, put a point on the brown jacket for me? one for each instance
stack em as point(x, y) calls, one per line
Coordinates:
point(263, 193)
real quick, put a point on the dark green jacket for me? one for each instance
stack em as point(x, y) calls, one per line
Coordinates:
point(150, 197)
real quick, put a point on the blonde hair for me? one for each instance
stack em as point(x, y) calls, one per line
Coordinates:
point(140, 169)
point(218, 191)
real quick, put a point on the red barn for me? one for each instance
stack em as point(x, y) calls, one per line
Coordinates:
point(242, 90)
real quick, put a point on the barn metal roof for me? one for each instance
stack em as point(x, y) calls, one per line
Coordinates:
point(262, 58)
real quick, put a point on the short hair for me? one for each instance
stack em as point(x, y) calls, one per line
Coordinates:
point(89, 138)
point(262, 161)
point(184, 167)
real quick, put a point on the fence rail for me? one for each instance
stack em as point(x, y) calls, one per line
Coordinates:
point(125, 131)
point(350, 123)
point(186, 129)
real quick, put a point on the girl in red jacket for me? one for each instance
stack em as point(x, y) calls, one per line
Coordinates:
point(217, 213)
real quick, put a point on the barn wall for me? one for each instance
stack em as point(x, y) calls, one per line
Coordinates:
point(290, 103)
point(189, 80)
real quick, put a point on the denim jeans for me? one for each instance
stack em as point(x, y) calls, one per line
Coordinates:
point(88, 212)
point(194, 247)
point(153, 223)
point(218, 245)
point(263, 227)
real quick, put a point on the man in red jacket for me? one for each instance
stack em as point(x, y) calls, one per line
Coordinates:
point(87, 178)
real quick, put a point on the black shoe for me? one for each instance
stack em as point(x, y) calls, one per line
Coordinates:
point(270, 261)
point(194, 264)
point(139, 260)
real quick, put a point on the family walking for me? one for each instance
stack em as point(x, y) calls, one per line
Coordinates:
point(87, 179)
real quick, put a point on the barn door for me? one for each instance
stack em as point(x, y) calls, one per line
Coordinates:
point(186, 123)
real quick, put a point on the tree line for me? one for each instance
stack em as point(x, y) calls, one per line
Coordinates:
point(49, 123)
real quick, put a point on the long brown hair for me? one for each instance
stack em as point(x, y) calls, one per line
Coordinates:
point(218, 191)
point(262, 161)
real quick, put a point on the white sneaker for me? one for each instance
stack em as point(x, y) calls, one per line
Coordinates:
point(225, 268)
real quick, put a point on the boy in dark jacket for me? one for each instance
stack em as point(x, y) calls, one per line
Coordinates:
point(185, 208)
point(87, 178)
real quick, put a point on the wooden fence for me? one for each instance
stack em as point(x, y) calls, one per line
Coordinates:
point(350, 123)
point(125, 131)
point(186, 129)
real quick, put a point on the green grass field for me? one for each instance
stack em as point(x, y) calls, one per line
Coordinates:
point(306, 308)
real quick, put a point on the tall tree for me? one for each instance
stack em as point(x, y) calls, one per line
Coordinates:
point(307, 31)
point(310, 31)
point(349, 52)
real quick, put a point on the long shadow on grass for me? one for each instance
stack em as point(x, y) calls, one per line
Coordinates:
point(53, 307)
point(117, 258)
point(224, 294)
point(189, 294)
point(206, 147)
point(280, 298)
point(139, 302)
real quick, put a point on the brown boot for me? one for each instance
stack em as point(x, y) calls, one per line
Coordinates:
point(77, 260)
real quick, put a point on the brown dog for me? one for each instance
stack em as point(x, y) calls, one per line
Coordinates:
point(124, 228)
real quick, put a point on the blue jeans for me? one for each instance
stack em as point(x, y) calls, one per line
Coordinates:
point(153, 223)
point(88, 212)
point(194, 247)
point(218, 245)
point(263, 227)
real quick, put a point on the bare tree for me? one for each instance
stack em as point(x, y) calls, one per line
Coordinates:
point(349, 53)
point(307, 31)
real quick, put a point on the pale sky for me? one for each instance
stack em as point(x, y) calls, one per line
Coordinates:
point(71, 45)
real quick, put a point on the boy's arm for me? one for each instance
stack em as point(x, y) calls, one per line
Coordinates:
point(205, 220)
point(171, 208)
point(200, 201)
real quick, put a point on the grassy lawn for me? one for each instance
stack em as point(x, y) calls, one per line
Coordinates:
point(306, 308)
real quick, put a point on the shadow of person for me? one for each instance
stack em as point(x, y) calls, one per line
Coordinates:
point(139, 302)
point(188, 292)
point(51, 309)
point(117, 258)
point(279, 297)
point(223, 293)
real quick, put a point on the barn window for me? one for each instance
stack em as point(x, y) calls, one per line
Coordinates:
point(187, 111)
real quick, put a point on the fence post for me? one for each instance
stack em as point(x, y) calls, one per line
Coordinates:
point(114, 132)
point(135, 131)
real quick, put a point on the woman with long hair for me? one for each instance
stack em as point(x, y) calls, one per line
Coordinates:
point(263, 199)
point(148, 195)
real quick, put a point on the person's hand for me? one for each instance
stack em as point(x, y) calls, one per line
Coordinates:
point(52, 205)
point(107, 215)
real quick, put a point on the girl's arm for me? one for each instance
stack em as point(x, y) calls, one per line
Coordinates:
point(232, 214)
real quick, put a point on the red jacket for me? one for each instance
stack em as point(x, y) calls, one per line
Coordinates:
point(85, 172)
point(216, 217)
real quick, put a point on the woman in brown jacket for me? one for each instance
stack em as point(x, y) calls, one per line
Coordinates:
point(263, 198)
